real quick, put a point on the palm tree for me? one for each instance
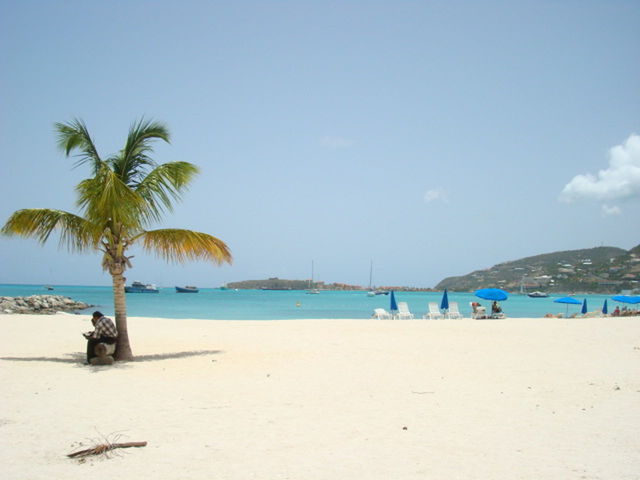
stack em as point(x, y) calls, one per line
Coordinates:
point(126, 193)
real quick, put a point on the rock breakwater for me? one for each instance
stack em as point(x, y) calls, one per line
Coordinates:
point(45, 304)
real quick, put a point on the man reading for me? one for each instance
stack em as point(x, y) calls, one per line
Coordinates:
point(104, 332)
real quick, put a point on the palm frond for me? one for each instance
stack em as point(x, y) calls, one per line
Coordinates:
point(105, 198)
point(75, 136)
point(132, 162)
point(76, 233)
point(163, 184)
point(181, 245)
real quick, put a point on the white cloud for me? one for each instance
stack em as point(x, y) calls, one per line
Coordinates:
point(435, 194)
point(610, 210)
point(620, 180)
point(333, 141)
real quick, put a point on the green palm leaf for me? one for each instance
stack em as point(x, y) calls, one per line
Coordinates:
point(181, 245)
point(76, 233)
point(106, 200)
point(75, 136)
point(132, 163)
point(163, 184)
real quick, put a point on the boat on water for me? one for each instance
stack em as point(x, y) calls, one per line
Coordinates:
point(372, 292)
point(187, 289)
point(311, 290)
point(538, 295)
point(139, 287)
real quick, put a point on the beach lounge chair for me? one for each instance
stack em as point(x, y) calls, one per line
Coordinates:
point(381, 314)
point(433, 313)
point(403, 312)
point(477, 311)
point(454, 311)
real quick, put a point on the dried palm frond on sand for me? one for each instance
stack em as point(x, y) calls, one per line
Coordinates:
point(104, 448)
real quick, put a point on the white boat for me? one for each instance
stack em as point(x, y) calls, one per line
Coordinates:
point(139, 287)
point(372, 291)
point(310, 290)
point(538, 294)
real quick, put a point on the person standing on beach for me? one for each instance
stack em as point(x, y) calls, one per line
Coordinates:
point(104, 332)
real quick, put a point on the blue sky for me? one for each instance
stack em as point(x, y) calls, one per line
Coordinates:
point(434, 138)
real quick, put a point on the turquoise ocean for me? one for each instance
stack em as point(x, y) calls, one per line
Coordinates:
point(219, 304)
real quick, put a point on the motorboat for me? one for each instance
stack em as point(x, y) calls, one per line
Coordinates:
point(139, 287)
point(187, 289)
point(373, 293)
point(538, 295)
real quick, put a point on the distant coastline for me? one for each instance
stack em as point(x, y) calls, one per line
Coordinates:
point(283, 284)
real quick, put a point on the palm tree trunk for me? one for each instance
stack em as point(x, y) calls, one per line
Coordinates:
point(123, 350)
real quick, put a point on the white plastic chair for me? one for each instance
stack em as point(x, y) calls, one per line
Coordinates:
point(454, 311)
point(381, 314)
point(403, 312)
point(477, 311)
point(433, 313)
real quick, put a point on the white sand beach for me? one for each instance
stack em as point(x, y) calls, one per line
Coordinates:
point(325, 399)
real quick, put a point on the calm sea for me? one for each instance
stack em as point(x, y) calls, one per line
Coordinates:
point(295, 304)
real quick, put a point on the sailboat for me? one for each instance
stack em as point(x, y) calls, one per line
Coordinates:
point(311, 290)
point(372, 292)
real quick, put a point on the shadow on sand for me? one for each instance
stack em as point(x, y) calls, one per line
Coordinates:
point(170, 356)
point(79, 358)
point(73, 358)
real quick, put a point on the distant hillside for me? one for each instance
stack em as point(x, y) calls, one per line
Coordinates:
point(596, 270)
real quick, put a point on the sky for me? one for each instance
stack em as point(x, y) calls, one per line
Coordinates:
point(428, 138)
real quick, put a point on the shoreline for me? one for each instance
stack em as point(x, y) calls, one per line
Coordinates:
point(265, 305)
point(457, 399)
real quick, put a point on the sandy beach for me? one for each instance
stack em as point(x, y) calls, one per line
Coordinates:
point(326, 399)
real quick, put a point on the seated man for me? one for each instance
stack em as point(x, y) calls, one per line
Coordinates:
point(104, 332)
point(495, 307)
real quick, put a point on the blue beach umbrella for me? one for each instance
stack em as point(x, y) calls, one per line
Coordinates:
point(444, 304)
point(393, 306)
point(492, 294)
point(584, 307)
point(626, 299)
point(568, 301)
point(605, 308)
